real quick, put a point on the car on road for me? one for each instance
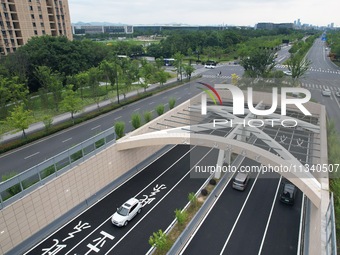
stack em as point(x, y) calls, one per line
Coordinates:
point(126, 212)
point(210, 64)
point(289, 73)
point(288, 194)
point(337, 94)
point(240, 181)
point(326, 92)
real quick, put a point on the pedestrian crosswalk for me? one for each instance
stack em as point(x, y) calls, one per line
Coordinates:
point(303, 84)
point(311, 69)
point(320, 87)
point(217, 76)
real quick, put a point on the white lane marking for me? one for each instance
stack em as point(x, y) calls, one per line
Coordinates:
point(337, 102)
point(239, 215)
point(151, 103)
point(178, 98)
point(136, 109)
point(270, 215)
point(117, 118)
point(32, 155)
point(205, 216)
point(105, 197)
point(95, 127)
point(157, 203)
point(134, 196)
point(67, 140)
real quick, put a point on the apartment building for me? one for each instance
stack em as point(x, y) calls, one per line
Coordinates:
point(22, 19)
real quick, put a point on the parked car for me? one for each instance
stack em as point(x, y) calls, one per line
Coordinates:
point(240, 181)
point(126, 212)
point(337, 94)
point(288, 194)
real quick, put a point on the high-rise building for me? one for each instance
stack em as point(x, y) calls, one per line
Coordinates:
point(22, 19)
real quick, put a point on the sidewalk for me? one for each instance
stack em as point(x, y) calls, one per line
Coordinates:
point(67, 116)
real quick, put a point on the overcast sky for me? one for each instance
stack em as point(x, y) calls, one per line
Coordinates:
point(205, 12)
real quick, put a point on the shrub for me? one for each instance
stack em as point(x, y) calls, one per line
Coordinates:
point(119, 129)
point(181, 216)
point(212, 182)
point(159, 240)
point(204, 192)
point(172, 102)
point(147, 116)
point(160, 109)
point(192, 198)
point(136, 120)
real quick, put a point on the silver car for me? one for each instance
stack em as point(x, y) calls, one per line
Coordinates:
point(240, 181)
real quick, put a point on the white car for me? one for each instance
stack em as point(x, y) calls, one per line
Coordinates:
point(210, 66)
point(289, 73)
point(326, 92)
point(126, 212)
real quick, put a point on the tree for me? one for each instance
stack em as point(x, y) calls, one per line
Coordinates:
point(146, 73)
point(259, 63)
point(106, 68)
point(161, 76)
point(59, 54)
point(298, 66)
point(179, 63)
point(71, 101)
point(188, 70)
point(129, 74)
point(19, 119)
point(47, 120)
point(51, 82)
point(81, 81)
point(93, 83)
point(234, 79)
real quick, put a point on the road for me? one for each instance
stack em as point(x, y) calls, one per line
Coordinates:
point(255, 221)
point(32, 154)
point(323, 74)
point(254, 215)
point(168, 178)
point(237, 216)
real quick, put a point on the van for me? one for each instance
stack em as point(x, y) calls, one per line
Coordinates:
point(240, 181)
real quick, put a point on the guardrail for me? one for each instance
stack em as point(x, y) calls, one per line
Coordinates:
point(18, 186)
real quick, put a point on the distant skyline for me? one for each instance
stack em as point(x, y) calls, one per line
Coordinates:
point(199, 12)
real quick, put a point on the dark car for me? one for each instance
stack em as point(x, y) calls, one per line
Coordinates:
point(288, 194)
